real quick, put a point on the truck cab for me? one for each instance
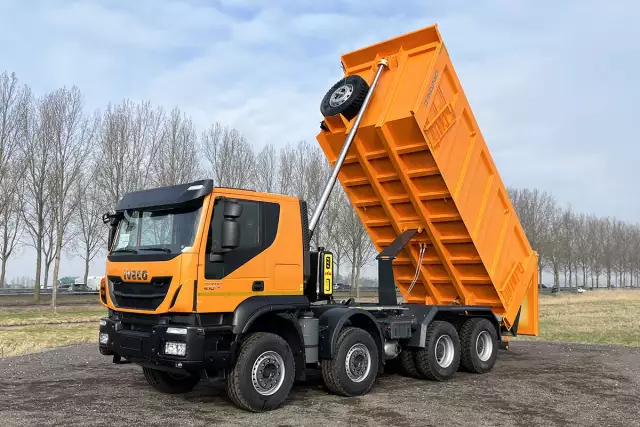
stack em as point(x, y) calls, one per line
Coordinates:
point(198, 255)
point(191, 269)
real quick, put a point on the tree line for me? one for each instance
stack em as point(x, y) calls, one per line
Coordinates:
point(575, 248)
point(61, 168)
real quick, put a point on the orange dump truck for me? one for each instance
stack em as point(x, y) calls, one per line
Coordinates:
point(206, 282)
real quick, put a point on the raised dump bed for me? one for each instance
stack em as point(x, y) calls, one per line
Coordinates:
point(419, 161)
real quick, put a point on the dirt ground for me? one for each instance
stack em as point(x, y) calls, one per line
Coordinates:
point(533, 384)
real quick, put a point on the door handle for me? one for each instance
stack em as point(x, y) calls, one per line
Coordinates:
point(258, 286)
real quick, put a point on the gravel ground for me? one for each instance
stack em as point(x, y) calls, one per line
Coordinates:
point(533, 384)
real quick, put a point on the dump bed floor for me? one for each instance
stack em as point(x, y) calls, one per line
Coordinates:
point(419, 161)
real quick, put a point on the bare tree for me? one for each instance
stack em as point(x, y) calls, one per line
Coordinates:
point(619, 236)
point(48, 246)
point(309, 174)
point(230, 156)
point(37, 154)
point(285, 171)
point(568, 243)
point(635, 250)
point(11, 227)
point(536, 211)
point(583, 259)
point(554, 249)
point(266, 169)
point(595, 249)
point(608, 248)
point(128, 143)
point(177, 161)
point(14, 109)
point(358, 246)
point(87, 222)
point(70, 136)
point(14, 104)
point(333, 226)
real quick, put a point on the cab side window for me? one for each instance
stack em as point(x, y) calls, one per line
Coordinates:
point(250, 225)
point(258, 228)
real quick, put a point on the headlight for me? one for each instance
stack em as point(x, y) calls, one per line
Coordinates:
point(173, 348)
point(177, 331)
point(103, 322)
point(104, 338)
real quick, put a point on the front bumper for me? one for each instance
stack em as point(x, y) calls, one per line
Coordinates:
point(208, 349)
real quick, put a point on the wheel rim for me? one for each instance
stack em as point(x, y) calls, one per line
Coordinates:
point(340, 95)
point(484, 346)
point(268, 373)
point(444, 351)
point(358, 363)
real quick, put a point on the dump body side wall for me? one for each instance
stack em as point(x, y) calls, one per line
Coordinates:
point(420, 161)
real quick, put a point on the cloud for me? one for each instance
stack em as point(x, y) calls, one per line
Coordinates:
point(552, 84)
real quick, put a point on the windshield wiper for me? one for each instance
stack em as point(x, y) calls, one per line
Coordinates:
point(131, 251)
point(158, 249)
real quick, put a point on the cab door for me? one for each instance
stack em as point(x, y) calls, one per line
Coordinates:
point(231, 277)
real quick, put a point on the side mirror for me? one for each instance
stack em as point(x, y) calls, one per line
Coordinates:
point(230, 228)
point(232, 209)
point(230, 234)
point(229, 231)
point(112, 220)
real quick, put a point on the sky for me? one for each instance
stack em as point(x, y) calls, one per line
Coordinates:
point(553, 84)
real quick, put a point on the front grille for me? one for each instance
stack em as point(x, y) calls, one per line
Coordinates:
point(138, 322)
point(141, 296)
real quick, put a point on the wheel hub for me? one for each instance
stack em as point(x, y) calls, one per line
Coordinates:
point(340, 95)
point(444, 350)
point(358, 363)
point(268, 372)
point(484, 346)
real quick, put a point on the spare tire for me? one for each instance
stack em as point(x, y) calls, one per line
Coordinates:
point(345, 97)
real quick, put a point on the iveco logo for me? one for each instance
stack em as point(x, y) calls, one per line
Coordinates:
point(135, 275)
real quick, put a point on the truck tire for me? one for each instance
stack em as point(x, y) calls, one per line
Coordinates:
point(479, 342)
point(345, 97)
point(263, 374)
point(167, 382)
point(440, 358)
point(408, 363)
point(354, 368)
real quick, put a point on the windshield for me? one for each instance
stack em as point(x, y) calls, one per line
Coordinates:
point(169, 231)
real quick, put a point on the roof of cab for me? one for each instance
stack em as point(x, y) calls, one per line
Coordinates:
point(164, 197)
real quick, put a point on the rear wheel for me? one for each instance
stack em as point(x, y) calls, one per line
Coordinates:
point(440, 358)
point(354, 368)
point(408, 363)
point(170, 383)
point(263, 373)
point(479, 342)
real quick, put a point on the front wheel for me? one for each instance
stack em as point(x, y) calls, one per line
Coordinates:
point(354, 368)
point(263, 374)
point(170, 383)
